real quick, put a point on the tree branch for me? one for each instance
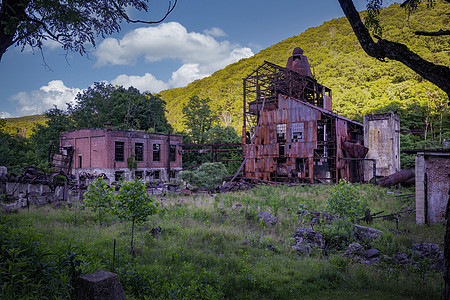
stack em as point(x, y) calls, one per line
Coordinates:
point(436, 74)
point(125, 16)
point(42, 24)
point(12, 12)
point(433, 33)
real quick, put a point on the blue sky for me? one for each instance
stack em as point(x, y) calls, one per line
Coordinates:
point(197, 39)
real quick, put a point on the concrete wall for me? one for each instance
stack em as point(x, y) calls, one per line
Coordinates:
point(382, 137)
point(432, 186)
point(37, 194)
point(110, 173)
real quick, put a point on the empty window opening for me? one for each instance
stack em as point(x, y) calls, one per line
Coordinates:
point(80, 161)
point(281, 150)
point(139, 174)
point(119, 175)
point(156, 152)
point(139, 151)
point(173, 153)
point(301, 166)
point(119, 151)
point(156, 175)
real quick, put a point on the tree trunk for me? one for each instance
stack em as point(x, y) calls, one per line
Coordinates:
point(382, 49)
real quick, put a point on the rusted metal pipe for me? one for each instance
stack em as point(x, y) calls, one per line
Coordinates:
point(396, 178)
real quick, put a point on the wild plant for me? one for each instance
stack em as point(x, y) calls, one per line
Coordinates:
point(134, 205)
point(346, 201)
point(99, 198)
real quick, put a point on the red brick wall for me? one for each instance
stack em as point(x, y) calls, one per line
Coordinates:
point(97, 148)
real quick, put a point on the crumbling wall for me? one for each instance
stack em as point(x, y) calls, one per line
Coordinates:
point(432, 187)
point(105, 151)
point(382, 137)
point(24, 194)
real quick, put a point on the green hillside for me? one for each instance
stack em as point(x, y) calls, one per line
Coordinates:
point(23, 126)
point(360, 84)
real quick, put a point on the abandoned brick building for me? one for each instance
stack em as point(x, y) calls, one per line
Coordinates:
point(96, 151)
point(290, 132)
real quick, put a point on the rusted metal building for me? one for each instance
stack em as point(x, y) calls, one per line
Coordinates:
point(117, 153)
point(290, 133)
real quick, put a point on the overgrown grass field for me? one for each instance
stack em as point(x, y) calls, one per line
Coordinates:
point(214, 247)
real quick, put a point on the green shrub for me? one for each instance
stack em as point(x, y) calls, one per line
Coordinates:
point(339, 234)
point(346, 201)
point(29, 270)
point(99, 197)
point(388, 244)
point(207, 176)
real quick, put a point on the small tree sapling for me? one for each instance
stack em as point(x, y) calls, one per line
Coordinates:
point(134, 205)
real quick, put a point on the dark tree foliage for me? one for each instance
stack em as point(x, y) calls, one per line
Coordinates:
point(73, 23)
point(124, 108)
point(226, 135)
point(382, 49)
point(16, 151)
point(101, 103)
point(216, 135)
point(58, 121)
point(198, 118)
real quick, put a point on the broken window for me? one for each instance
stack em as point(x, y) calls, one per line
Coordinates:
point(119, 175)
point(156, 175)
point(297, 132)
point(281, 148)
point(281, 133)
point(80, 161)
point(302, 167)
point(119, 151)
point(139, 151)
point(173, 153)
point(156, 152)
point(139, 174)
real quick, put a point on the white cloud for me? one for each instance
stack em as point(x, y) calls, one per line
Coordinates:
point(185, 75)
point(5, 115)
point(148, 82)
point(51, 44)
point(38, 101)
point(166, 41)
point(200, 54)
point(215, 31)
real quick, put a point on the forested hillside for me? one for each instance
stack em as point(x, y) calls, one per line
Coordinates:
point(360, 84)
point(23, 126)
